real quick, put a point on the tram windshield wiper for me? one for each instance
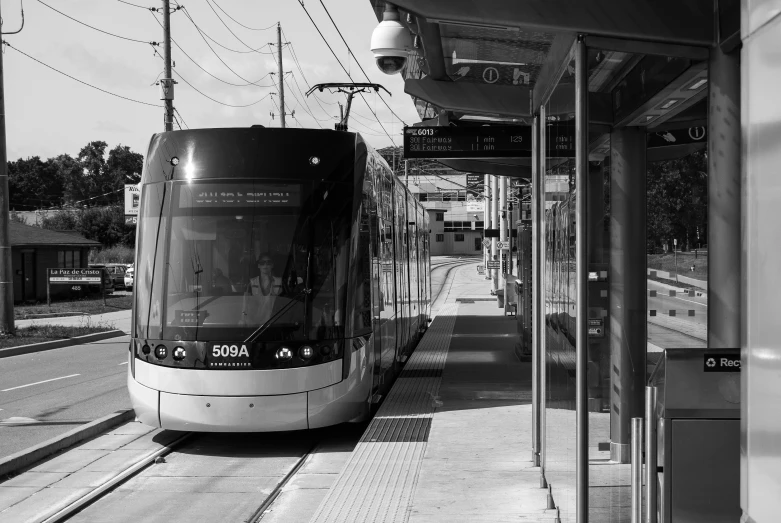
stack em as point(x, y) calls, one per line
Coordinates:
point(260, 330)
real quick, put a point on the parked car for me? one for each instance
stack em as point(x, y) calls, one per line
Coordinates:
point(129, 274)
point(108, 282)
point(116, 272)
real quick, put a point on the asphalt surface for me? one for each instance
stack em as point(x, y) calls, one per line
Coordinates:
point(49, 393)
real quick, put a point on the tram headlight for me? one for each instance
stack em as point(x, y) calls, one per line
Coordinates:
point(161, 351)
point(146, 349)
point(284, 354)
point(325, 350)
point(306, 352)
point(179, 353)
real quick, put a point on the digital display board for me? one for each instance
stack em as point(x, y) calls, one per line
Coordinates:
point(501, 141)
point(240, 195)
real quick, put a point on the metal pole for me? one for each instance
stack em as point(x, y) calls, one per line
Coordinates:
point(724, 203)
point(495, 223)
point(486, 221)
point(406, 173)
point(581, 280)
point(281, 77)
point(502, 182)
point(103, 285)
point(169, 102)
point(6, 262)
point(650, 455)
point(636, 474)
point(540, 276)
point(536, 275)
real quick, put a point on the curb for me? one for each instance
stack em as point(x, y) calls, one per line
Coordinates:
point(56, 344)
point(27, 457)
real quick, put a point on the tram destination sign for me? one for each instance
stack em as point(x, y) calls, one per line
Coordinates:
point(501, 141)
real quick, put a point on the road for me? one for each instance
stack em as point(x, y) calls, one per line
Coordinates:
point(49, 393)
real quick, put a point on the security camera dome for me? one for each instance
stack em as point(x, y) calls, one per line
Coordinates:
point(391, 42)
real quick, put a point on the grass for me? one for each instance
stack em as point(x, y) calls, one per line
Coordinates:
point(41, 333)
point(666, 262)
point(84, 306)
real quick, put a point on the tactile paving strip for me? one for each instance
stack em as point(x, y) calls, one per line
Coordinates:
point(377, 482)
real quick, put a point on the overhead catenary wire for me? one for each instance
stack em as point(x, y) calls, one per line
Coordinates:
point(357, 62)
point(80, 81)
point(343, 68)
point(96, 29)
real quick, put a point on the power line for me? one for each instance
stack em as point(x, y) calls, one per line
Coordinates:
point(343, 68)
point(214, 100)
point(357, 62)
point(226, 26)
point(219, 57)
point(242, 25)
point(205, 34)
point(136, 5)
point(301, 70)
point(80, 81)
point(307, 110)
point(96, 29)
point(207, 72)
point(180, 117)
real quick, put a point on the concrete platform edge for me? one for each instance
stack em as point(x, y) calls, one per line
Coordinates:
point(58, 344)
point(27, 457)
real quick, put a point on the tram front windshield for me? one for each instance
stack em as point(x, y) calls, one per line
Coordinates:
point(242, 256)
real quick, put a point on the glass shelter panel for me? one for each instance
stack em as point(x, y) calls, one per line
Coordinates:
point(559, 362)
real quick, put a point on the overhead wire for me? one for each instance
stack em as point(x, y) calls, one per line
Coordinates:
point(181, 117)
point(255, 83)
point(206, 35)
point(343, 67)
point(242, 25)
point(77, 80)
point(228, 28)
point(357, 62)
point(96, 29)
point(215, 100)
point(136, 5)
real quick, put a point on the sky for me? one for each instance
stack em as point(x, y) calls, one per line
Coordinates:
point(48, 114)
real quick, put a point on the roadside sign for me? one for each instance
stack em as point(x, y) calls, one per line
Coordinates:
point(131, 219)
point(474, 206)
point(132, 199)
point(503, 245)
point(494, 264)
point(486, 243)
point(74, 276)
point(481, 269)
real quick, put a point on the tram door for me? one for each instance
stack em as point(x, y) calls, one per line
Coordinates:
point(402, 274)
point(388, 299)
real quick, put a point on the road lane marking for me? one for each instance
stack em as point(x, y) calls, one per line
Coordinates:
point(39, 382)
point(123, 363)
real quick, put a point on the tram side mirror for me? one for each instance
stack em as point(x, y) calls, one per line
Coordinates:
point(391, 42)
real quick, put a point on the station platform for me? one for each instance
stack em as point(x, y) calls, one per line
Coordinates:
point(452, 441)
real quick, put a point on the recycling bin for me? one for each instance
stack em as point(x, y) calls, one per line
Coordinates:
point(697, 417)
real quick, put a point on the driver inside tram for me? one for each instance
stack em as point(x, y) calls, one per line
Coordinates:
point(262, 292)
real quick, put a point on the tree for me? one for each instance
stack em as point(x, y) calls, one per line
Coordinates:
point(107, 226)
point(677, 201)
point(33, 183)
point(62, 221)
point(93, 164)
point(76, 186)
point(124, 166)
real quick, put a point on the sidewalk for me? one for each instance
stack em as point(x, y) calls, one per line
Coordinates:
point(452, 441)
point(119, 320)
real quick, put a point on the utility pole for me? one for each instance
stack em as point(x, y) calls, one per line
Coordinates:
point(406, 173)
point(6, 267)
point(167, 83)
point(281, 76)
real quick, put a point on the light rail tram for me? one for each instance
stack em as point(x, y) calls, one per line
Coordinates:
point(282, 280)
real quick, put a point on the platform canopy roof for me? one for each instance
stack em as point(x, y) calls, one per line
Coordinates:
point(494, 61)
